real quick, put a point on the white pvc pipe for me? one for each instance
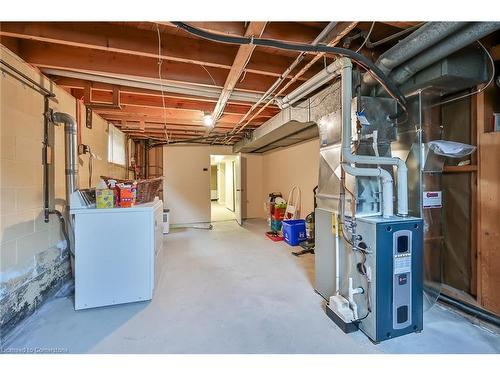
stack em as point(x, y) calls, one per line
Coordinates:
point(387, 187)
point(348, 158)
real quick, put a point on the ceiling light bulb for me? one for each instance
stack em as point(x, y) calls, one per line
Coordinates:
point(208, 120)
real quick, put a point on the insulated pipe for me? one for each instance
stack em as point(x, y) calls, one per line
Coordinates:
point(464, 37)
point(285, 74)
point(152, 84)
point(71, 151)
point(312, 84)
point(418, 41)
point(348, 158)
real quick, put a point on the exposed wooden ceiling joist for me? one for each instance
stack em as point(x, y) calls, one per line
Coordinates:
point(130, 49)
point(119, 116)
point(80, 84)
point(333, 38)
point(240, 61)
point(148, 101)
point(55, 56)
point(122, 39)
point(302, 32)
point(402, 25)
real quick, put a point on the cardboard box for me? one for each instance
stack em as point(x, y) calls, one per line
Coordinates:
point(126, 195)
point(104, 198)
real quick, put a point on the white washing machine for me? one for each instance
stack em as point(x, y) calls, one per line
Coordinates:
point(116, 252)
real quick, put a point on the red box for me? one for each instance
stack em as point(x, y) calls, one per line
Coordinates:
point(125, 195)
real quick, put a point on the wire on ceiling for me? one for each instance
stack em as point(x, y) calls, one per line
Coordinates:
point(206, 70)
point(367, 37)
point(370, 44)
point(361, 60)
point(160, 61)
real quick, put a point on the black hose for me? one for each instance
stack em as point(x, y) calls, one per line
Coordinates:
point(360, 59)
point(470, 309)
point(64, 230)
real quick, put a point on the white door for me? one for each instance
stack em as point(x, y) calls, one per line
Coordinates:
point(237, 189)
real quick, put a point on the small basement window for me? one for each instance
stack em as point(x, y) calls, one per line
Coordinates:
point(116, 145)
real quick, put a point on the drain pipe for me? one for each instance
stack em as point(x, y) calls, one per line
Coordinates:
point(348, 158)
point(70, 150)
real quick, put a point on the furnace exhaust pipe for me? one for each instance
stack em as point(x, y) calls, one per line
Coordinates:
point(348, 158)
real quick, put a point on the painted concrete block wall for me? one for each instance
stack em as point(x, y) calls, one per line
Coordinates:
point(31, 264)
point(97, 138)
point(295, 165)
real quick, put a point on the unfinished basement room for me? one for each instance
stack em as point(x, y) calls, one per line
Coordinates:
point(250, 186)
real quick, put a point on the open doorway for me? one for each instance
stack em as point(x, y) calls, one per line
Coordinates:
point(224, 192)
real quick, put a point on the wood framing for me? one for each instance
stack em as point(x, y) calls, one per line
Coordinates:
point(145, 51)
point(488, 193)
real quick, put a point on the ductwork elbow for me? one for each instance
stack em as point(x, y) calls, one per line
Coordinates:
point(64, 118)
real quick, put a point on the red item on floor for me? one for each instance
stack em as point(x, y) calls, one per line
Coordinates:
point(274, 236)
point(278, 213)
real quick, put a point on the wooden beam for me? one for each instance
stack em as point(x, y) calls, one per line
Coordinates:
point(488, 190)
point(111, 38)
point(473, 222)
point(225, 28)
point(402, 25)
point(118, 116)
point(75, 83)
point(240, 61)
point(177, 114)
point(495, 52)
point(126, 40)
point(151, 126)
point(45, 55)
point(338, 32)
point(292, 31)
point(459, 168)
point(149, 101)
point(286, 31)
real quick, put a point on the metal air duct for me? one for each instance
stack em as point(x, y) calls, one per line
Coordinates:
point(418, 41)
point(446, 47)
point(70, 150)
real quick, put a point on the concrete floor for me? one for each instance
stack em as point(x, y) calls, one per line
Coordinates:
point(219, 212)
point(231, 290)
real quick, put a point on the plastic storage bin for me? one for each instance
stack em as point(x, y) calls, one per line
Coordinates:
point(294, 231)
